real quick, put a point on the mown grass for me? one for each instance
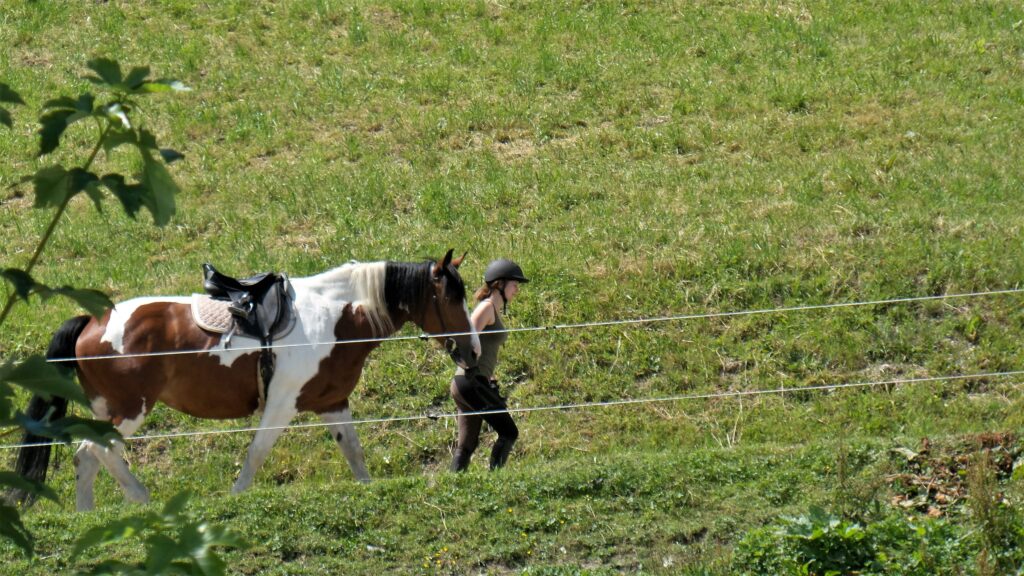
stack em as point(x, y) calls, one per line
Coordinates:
point(637, 160)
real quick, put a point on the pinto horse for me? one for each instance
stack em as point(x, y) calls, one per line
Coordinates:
point(314, 371)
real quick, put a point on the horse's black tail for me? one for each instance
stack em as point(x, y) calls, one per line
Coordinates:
point(33, 461)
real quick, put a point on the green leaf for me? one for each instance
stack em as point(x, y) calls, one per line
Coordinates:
point(6, 407)
point(161, 85)
point(85, 103)
point(176, 505)
point(136, 77)
point(23, 283)
point(44, 378)
point(19, 482)
point(113, 568)
point(161, 550)
point(61, 103)
point(53, 125)
point(210, 563)
point(117, 138)
point(147, 139)
point(51, 186)
point(170, 155)
point(109, 71)
point(130, 195)
point(70, 428)
point(113, 532)
point(159, 189)
point(93, 190)
point(12, 528)
point(96, 303)
point(9, 95)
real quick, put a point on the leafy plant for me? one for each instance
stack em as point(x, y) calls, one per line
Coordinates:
point(172, 536)
point(827, 544)
point(174, 542)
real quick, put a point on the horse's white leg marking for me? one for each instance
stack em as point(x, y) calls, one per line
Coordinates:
point(86, 463)
point(113, 460)
point(275, 416)
point(86, 468)
point(344, 433)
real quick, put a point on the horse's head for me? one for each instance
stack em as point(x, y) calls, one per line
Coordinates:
point(448, 314)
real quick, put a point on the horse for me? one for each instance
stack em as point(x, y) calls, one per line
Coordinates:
point(121, 369)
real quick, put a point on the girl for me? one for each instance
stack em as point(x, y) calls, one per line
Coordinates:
point(476, 390)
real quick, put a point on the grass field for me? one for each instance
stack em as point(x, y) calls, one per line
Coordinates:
point(638, 159)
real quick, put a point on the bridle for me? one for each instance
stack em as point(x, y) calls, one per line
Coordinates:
point(450, 346)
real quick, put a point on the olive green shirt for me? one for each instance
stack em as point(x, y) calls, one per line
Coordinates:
point(491, 340)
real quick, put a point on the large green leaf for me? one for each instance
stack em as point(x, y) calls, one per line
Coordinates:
point(71, 428)
point(13, 529)
point(23, 283)
point(96, 303)
point(136, 77)
point(130, 195)
point(7, 407)
point(52, 185)
point(159, 189)
point(176, 505)
point(161, 550)
point(162, 85)
point(19, 482)
point(107, 70)
point(43, 378)
point(112, 532)
point(54, 123)
point(9, 95)
point(117, 138)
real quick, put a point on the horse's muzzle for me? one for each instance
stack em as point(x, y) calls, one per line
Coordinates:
point(458, 356)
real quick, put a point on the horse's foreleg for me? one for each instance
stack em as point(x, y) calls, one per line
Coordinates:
point(344, 433)
point(274, 419)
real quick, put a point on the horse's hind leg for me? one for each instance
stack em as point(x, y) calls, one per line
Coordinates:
point(86, 468)
point(113, 460)
point(344, 433)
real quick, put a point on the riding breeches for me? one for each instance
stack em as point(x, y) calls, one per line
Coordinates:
point(477, 395)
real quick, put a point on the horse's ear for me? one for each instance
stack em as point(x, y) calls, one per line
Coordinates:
point(439, 267)
point(458, 261)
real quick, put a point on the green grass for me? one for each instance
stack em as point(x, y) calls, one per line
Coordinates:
point(637, 160)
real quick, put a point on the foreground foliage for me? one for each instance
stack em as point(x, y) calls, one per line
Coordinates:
point(638, 159)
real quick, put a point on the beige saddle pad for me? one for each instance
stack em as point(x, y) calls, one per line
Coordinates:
point(212, 315)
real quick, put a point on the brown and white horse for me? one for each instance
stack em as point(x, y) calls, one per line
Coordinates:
point(357, 301)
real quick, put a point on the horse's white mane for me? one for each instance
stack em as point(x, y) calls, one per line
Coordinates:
point(362, 284)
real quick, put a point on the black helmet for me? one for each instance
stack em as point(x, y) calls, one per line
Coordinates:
point(504, 269)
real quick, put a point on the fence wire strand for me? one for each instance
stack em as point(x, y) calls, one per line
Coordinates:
point(562, 407)
point(570, 326)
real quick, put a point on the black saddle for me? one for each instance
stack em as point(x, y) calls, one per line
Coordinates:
point(262, 309)
point(260, 304)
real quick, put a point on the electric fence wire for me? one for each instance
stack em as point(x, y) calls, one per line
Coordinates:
point(562, 407)
point(571, 326)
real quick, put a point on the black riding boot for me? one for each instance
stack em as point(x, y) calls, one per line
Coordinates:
point(502, 448)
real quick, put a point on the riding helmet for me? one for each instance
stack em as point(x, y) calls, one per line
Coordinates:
point(504, 269)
